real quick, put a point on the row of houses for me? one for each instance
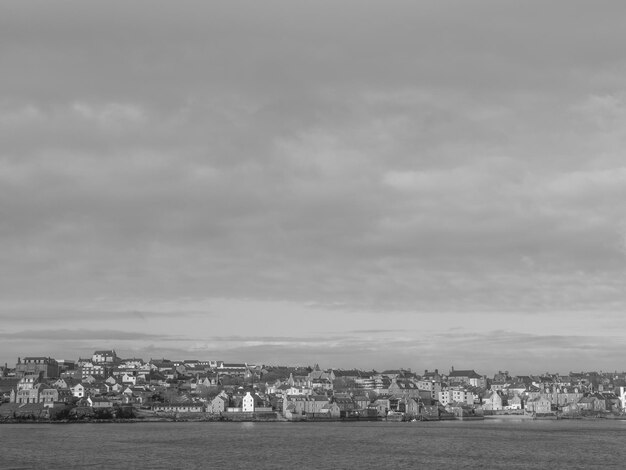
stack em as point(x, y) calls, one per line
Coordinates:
point(165, 386)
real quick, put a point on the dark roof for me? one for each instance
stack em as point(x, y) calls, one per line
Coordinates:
point(405, 384)
point(39, 358)
point(343, 400)
point(350, 373)
point(318, 398)
point(6, 385)
point(464, 373)
point(526, 379)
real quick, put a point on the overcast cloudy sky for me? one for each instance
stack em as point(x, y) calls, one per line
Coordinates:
point(356, 183)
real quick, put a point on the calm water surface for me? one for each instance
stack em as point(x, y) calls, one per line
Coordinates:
point(489, 444)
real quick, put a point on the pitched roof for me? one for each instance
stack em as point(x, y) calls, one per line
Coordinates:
point(318, 398)
point(100, 400)
point(464, 373)
point(343, 400)
point(349, 373)
point(6, 385)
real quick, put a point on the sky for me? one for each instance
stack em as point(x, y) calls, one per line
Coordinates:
point(417, 184)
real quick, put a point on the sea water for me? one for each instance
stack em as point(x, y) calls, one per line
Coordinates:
point(489, 444)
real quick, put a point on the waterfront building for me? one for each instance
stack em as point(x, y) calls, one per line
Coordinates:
point(218, 404)
point(48, 396)
point(433, 387)
point(28, 395)
point(331, 410)
point(247, 403)
point(539, 405)
point(493, 401)
point(456, 394)
point(621, 393)
point(314, 404)
point(514, 403)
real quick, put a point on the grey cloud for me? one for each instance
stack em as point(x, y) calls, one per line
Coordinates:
point(419, 157)
point(12, 315)
point(83, 335)
point(521, 353)
point(524, 353)
point(159, 51)
point(379, 331)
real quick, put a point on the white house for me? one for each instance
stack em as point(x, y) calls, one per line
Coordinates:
point(622, 397)
point(78, 391)
point(247, 403)
point(129, 379)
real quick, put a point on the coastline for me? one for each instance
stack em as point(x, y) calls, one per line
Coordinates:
point(281, 419)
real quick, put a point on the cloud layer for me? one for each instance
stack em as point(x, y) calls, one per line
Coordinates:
point(408, 157)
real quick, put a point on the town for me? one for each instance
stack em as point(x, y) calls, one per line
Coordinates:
point(106, 386)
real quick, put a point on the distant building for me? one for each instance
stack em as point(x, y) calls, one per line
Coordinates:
point(622, 396)
point(247, 403)
point(514, 403)
point(431, 376)
point(78, 390)
point(539, 405)
point(66, 365)
point(51, 396)
point(104, 357)
point(88, 367)
point(42, 367)
point(218, 404)
point(493, 401)
point(469, 377)
point(456, 395)
point(433, 387)
point(235, 370)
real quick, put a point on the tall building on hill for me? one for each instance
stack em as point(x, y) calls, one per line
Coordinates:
point(104, 357)
point(42, 367)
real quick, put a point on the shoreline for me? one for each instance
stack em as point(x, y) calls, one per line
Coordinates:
point(219, 419)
